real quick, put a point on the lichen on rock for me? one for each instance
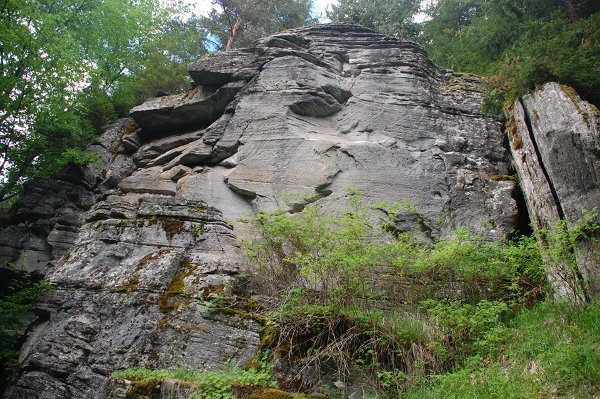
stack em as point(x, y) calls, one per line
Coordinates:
point(154, 233)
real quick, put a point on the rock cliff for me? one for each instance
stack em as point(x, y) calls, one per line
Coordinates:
point(136, 246)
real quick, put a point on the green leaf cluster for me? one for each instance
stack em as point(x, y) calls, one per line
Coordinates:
point(348, 292)
point(237, 23)
point(15, 304)
point(390, 17)
point(337, 260)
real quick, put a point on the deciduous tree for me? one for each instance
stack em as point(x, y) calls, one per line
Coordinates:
point(391, 17)
point(61, 62)
point(236, 23)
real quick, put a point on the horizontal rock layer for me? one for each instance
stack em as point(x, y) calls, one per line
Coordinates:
point(139, 247)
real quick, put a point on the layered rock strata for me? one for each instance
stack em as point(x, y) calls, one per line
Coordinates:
point(138, 247)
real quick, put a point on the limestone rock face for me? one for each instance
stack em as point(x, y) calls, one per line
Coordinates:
point(139, 247)
point(555, 143)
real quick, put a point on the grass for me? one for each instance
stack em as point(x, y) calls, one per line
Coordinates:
point(548, 351)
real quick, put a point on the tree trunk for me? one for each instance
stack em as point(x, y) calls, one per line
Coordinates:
point(233, 35)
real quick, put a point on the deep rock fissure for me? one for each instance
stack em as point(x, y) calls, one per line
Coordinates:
point(523, 227)
point(540, 160)
point(399, 134)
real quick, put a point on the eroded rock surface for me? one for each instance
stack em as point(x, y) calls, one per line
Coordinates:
point(555, 142)
point(138, 248)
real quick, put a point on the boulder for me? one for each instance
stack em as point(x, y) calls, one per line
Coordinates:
point(555, 141)
point(197, 108)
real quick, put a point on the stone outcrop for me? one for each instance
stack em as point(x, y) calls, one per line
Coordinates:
point(140, 246)
point(555, 144)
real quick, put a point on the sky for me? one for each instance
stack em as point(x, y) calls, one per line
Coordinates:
point(319, 7)
point(204, 6)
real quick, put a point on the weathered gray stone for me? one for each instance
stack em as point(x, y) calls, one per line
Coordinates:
point(132, 142)
point(197, 108)
point(176, 173)
point(133, 291)
point(299, 118)
point(148, 181)
point(158, 152)
point(555, 137)
point(225, 67)
point(121, 166)
point(195, 154)
point(113, 133)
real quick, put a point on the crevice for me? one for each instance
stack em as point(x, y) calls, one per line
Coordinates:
point(559, 209)
point(523, 227)
point(540, 160)
point(351, 156)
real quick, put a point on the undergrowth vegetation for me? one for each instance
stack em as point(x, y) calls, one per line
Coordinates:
point(348, 296)
point(18, 290)
point(346, 291)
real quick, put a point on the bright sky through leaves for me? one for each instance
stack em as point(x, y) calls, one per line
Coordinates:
point(319, 6)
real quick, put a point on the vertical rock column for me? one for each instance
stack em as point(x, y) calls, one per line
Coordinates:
point(555, 144)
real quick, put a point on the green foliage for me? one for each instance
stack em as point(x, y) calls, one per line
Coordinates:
point(560, 242)
point(390, 17)
point(346, 292)
point(163, 67)
point(237, 23)
point(15, 304)
point(469, 327)
point(518, 44)
point(205, 384)
point(337, 258)
point(61, 80)
point(547, 351)
point(493, 102)
point(562, 239)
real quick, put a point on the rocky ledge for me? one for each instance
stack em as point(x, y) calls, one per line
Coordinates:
point(138, 246)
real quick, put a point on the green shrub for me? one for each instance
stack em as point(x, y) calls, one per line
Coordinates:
point(346, 292)
point(559, 245)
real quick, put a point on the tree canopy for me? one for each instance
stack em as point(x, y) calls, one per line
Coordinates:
point(59, 62)
point(515, 44)
point(390, 17)
point(519, 43)
point(236, 23)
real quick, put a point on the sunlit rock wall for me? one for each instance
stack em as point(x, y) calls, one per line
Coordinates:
point(138, 246)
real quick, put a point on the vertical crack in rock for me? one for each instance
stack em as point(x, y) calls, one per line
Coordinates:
point(147, 241)
point(540, 161)
point(553, 141)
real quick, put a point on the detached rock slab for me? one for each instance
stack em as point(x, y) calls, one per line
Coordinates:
point(225, 67)
point(198, 107)
point(149, 181)
point(555, 137)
